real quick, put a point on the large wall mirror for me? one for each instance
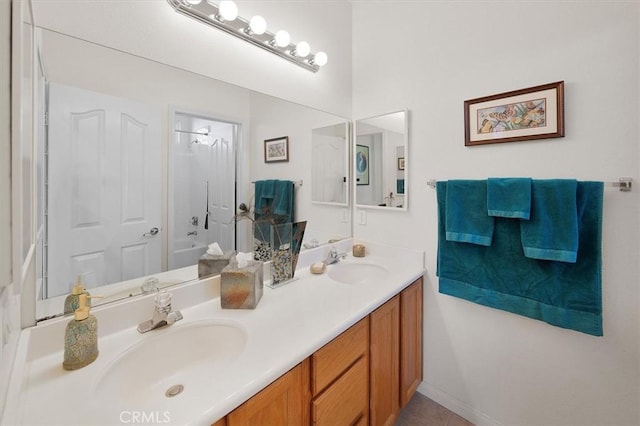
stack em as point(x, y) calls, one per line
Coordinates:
point(380, 161)
point(144, 165)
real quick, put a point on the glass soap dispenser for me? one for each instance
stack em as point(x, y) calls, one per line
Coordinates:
point(81, 337)
point(71, 302)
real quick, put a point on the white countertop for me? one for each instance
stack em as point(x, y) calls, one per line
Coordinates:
point(288, 325)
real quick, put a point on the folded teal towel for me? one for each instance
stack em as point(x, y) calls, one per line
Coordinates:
point(567, 295)
point(552, 231)
point(509, 197)
point(467, 220)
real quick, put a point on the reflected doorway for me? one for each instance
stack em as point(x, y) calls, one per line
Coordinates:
point(203, 187)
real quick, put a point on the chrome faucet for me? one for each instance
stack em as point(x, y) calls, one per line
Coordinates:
point(334, 256)
point(162, 315)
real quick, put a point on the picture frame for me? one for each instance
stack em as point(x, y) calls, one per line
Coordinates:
point(276, 149)
point(400, 163)
point(520, 115)
point(362, 165)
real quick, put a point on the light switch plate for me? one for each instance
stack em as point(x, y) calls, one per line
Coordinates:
point(362, 217)
point(345, 216)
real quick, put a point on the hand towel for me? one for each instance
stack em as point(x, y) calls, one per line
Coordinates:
point(551, 233)
point(467, 220)
point(509, 197)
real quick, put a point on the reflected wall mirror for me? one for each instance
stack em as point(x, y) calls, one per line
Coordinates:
point(163, 156)
point(330, 164)
point(380, 161)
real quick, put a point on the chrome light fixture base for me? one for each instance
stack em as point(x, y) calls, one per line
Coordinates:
point(206, 12)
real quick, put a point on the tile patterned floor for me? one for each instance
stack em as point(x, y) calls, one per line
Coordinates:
point(422, 411)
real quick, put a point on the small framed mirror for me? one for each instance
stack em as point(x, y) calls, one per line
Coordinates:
point(380, 161)
point(330, 165)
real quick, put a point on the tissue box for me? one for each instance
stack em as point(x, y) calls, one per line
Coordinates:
point(213, 264)
point(241, 288)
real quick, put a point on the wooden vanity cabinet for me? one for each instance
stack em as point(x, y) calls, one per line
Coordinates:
point(340, 379)
point(363, 376)
point(283, 402)
point(410, 341)
point(384, 369)
point(396, 354)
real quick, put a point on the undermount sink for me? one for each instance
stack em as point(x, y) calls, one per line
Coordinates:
point(177, 359)
point(355, 273)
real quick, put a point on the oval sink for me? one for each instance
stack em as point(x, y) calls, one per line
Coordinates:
point(354, 273)
point(170, 362)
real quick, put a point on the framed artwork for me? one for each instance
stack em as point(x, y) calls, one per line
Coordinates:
point(525, 114)
point(400, 163)
point(276, 149)
point(362, 165)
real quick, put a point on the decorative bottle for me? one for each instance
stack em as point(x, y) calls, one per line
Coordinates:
point(71, 302)
point(81, 338)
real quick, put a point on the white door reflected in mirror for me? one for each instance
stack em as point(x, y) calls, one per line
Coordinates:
point(329, 164)
point(380, 161)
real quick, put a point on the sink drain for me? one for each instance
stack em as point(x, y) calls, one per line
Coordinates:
point(173, 391)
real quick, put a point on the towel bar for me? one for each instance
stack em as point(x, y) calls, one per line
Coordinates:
point(297, 182)
point(624, 183)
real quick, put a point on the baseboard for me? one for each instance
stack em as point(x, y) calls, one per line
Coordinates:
point(461, 408)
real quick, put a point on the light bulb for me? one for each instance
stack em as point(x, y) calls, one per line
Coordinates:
point(282, 38)
point(228, 10)
point(302, 49)
point(193, 2)
point(258, 25)
point(320, 59)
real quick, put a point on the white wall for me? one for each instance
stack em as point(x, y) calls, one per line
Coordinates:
point(5, 147)
point(492, 366)
point(152, 29)
point(6, 289)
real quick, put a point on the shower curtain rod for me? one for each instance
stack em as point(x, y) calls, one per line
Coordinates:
point(624, 183)
point(192, 133)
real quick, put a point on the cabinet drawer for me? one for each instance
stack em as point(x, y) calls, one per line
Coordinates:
point(336, 356)
point(346, 401)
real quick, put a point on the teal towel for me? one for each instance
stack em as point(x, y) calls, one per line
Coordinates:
point(264, 193)
point(273, 204)
point(467, 220)
point(509, 197)
point(283, 198)
point(552, 231)
point(567, 295)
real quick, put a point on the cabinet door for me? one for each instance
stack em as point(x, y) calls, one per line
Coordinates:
point(385, 363)
point(283, 402)
point(345, 402)
point(410, 341)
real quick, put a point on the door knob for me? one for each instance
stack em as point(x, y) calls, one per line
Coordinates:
point(153, 231)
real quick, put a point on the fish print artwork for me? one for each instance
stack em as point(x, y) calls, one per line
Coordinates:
point(514, 116)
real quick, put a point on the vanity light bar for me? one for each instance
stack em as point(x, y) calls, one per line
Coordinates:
point(207, 12)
